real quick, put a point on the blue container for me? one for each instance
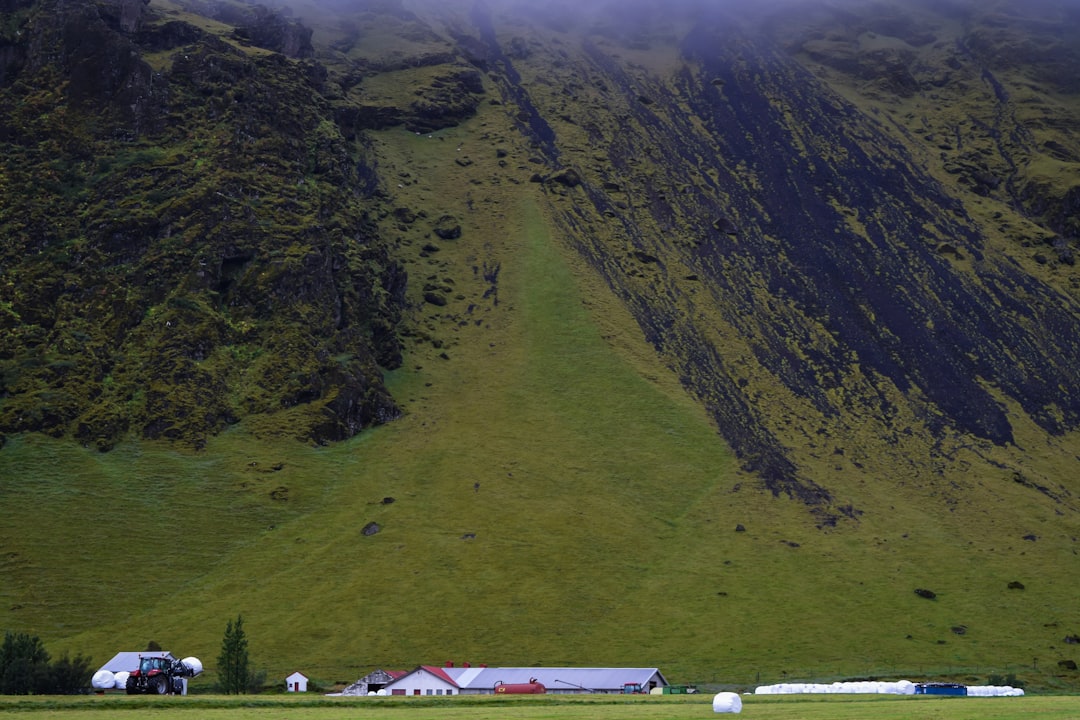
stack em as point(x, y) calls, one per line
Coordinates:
point(940, 689)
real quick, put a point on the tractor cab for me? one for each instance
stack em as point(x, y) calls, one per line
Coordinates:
point(152, 666)
point(632, 689)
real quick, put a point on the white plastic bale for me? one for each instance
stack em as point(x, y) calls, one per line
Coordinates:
point(994, 691)
point(194, 663)
point(726, 702)
point(121, 680)
point(103, 680)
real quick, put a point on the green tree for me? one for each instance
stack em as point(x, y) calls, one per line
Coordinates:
point(24, 665)
point(69, 676)
point(233, 673)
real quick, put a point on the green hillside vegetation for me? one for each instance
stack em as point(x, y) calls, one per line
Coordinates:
point(668, 707)
point(649, 396)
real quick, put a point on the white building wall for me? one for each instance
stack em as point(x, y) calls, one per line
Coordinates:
point(421, 683)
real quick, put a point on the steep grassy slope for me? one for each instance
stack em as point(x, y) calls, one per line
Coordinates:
point(711, 357)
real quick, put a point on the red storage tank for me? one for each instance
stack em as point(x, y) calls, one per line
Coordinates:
point(530, 688)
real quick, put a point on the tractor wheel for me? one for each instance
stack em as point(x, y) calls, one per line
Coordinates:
point(131, 687)
point(161, 685)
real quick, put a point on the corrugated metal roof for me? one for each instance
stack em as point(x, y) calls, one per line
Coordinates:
point(557, 678)
point(464, 676)
point(438, 672)
point(129, 661)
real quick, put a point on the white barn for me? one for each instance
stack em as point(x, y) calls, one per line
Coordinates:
point(466, 680)
point(297, 682)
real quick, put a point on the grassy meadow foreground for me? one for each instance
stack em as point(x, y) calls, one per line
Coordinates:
point(551, 707)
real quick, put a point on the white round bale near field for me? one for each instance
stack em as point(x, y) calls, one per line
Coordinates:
point(121, 679)
point(194, 663)
point(103, 680)
point(726, 702)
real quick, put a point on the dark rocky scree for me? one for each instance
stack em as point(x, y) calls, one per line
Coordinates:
point(768, 189)
point(191, 245)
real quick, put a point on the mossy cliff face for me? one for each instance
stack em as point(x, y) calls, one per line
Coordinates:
point(849, 230)
point(185, 240)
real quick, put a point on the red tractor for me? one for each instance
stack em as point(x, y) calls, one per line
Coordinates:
point(159, 675)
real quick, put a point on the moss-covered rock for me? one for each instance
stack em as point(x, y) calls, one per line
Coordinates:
point(185, 247)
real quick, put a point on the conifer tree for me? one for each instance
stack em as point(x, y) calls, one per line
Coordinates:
point(24, 664)
point(25, 668)
point(234, 676)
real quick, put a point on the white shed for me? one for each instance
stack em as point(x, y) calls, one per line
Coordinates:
point(297, 682)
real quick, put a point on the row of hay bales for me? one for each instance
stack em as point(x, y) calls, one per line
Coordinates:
point(899, 687)
point(105, 680)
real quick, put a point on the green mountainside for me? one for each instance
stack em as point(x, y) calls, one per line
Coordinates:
point(741, 342)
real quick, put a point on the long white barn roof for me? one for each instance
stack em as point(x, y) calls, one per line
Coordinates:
point(555, 678)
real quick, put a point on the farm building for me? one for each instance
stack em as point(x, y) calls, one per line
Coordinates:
point(129, 661)
point(466, 680)
point(373, 682)
point(297, 682)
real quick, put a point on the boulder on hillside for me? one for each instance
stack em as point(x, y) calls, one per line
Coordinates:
point(447, 228)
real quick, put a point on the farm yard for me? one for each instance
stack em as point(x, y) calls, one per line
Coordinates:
point(594, 707)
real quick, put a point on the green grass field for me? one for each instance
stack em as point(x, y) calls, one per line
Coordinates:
point(548, 708)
